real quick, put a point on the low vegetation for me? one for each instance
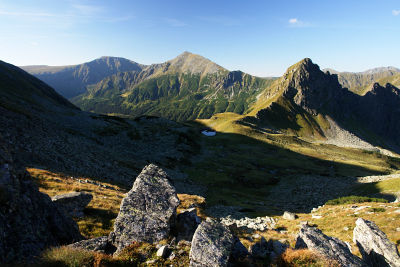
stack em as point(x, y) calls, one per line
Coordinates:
point(303, 257)
point(353, 200)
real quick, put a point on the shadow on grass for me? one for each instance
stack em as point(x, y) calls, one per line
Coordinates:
point(243, 172)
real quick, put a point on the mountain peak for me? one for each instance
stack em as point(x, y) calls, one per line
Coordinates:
point(193, 63)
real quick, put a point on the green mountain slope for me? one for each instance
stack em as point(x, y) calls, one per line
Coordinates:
point(71, 81)
point(185, 88)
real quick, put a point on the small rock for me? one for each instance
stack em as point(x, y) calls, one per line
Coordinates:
point(74, 203)
point(316, 216)
point(187, 223)
point(172, 256)
point(346, 228)
point(98, 244)
point(162, 251)
point(289, 215)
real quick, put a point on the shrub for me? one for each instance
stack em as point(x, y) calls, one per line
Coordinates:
point(353, 200)
point(303, 257)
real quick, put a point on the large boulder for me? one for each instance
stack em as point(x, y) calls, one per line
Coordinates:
point(29, 221)
point(148, 211)
point(329, 247)
point(375, 247)
point(212, 245)
point(73, 203)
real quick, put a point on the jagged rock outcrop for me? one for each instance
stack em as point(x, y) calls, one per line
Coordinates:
point(375, 247)
point(148, 211)
point(212, 245)
point(29, 221)
point(329, 247)
point(187, 223)
point(99, 244)
point(73, 203)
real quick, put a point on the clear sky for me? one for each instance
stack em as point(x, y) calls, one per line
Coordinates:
point(259, 37)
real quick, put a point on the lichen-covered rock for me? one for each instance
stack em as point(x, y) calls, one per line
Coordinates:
point(99, 244)
point(329, 247)
point(148, 211)
point(73, 203)
point(187, 223)
point(29, 220)
point(212, 245)
point(375, 247)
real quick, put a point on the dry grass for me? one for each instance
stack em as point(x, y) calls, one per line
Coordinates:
point(103, 209)
point(303, 257)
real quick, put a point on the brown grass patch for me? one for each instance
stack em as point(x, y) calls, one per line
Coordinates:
point(303, 257)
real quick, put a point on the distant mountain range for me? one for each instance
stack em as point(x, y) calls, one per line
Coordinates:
point(360, 82)
point(305, 101)
point(71, 81)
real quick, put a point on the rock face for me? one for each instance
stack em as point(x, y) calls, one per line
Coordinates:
point(329, 247)
point(212, 245)
point(29, 220)
point(148, 211)
point(99, 244)
point(375, 247)
point(73, 203)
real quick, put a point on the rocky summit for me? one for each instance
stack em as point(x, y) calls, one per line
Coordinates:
point(148, 210)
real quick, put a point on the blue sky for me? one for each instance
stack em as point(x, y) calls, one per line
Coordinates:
point(259, 37)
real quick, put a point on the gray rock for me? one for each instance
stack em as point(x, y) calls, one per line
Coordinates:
point(239, 250)
point(73, 203)
point(29, 220)
point(279, 247)
point(212, 245)
point(187, 223)
point(289, 215)
point(329, 247)
point(375, 247)
point(148, 211)
point(162, 251)
point(99, 244)
point(259, 249)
